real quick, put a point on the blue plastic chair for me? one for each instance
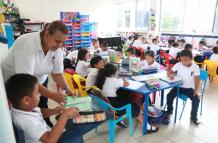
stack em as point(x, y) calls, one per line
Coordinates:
point(112, 123)
point(203, 77)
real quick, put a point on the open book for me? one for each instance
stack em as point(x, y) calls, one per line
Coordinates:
point(89, 117)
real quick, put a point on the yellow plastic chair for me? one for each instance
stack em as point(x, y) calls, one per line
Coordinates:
point(211, 69)
point(80, 90)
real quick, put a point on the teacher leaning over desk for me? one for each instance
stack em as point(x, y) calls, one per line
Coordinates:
point(40, 54)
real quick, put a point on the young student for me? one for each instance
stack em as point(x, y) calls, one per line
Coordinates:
point(137, 43)
point(144, 43)
point(82, 64)
point(96, 63)
point(149, 61)
point(70, 60)
point(189, 47)
point(182, 44)
point(174, 50)
point(131, 53)
point(202, 45)
point(129, 41)
point(104, 49)
point(214, 56)
point(109, 84)
point(94, 49)
point(22, 91)
point(189, 73)
point(170, 43)
point(154, 47)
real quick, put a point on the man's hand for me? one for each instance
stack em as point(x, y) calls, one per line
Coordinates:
point(70, 92)
point(71, 112)
point(58, 97)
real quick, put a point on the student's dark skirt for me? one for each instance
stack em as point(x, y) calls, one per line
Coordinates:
point(121, 100)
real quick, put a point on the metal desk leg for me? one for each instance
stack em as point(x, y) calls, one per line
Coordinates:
point(144, 128)
point(177, 97)
point(162, 98)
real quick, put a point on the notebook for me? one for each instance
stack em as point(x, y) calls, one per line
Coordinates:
point(83, 103)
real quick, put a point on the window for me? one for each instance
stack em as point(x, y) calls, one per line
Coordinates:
point(215, 26)
point(187, 16)
point(172, 12)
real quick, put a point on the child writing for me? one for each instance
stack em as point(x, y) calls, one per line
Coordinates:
point(96, 63)
point(149, 61)
point(82, 64)
point(22, 91)
point(189, 73)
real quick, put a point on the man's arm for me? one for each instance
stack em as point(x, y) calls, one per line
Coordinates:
point(50, 112)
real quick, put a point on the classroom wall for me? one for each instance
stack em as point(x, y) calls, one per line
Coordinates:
point(101, 11)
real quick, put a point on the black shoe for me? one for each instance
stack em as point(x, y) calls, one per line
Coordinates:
point(121, 124)
point(170, 112)
point(195, 121)
point(153, 130)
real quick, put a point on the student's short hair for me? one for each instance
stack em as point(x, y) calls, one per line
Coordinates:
point(55, 26)
point(170, 41)
point(18, 86)
point(175, 45)
point(182, 40)
point(154, 39)
point(202, 42)
point(131, 50)
point(130, 37)
point(215, 50)
point(95, 60)
point(186, 53)
point(188, 46)
point(149, 53)
point(104, 43)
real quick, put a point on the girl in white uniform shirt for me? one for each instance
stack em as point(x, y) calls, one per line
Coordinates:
point(174, 50)
point(149, 61)
point(82, 65)
point(137, 43)
point(40, 54)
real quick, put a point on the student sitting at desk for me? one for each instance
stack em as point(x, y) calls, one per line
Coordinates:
point(154, 47)
point(214, 57)
point(149, 61)
point(131, 53)
point(202, 46)
point(182, 44)
point(96, 63)
point(104, 49)
point(136, 43)
point(189, 73)
point(22, 91)
point(82, 64)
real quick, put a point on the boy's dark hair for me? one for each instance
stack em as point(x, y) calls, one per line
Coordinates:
point(95, 60)
point(188, 46)
point(130, 37)
point(186, 53)
point(202, 42)
point(154, 39)
point(107, 71)
point(182, 40)
point(18, 86)
point(215, 50)
point(81, 55)
point(131, 50)
point(104, 44)
point(149, 53)
point(171, 41)
point(175, 45)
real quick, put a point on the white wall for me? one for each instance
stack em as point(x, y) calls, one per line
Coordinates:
point(6, 129)
point(101, 11)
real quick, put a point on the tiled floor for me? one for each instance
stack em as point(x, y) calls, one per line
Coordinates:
point(181, 132)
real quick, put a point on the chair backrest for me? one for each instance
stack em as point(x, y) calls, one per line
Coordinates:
point(211, 67)
point(105, 105)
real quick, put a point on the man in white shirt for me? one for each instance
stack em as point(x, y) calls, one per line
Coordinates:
point(189, 73)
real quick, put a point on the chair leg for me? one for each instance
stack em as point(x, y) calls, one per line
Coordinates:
point(111, 125)
point(202, 96)
point(130, 126)
point(184, 103)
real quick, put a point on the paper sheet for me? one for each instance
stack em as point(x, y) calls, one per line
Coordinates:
point(149, 76)
point(135, 84)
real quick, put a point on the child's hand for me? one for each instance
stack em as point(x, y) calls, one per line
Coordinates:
point(170, 76)
point(71, 112)
point(125, 83)
point(58, 110)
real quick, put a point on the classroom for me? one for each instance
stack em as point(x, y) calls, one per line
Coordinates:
point(108, 71)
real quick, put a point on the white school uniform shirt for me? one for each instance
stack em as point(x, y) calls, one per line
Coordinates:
point(72, 55)
point(82, 68)
point(31, 123)
point(137, 43)
point(111, 85)
point(174, 52)
point(214, 57)
point(144, 65)
point(91, 79)
point(187, 74)
point(26, 56)
point(154, 48)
